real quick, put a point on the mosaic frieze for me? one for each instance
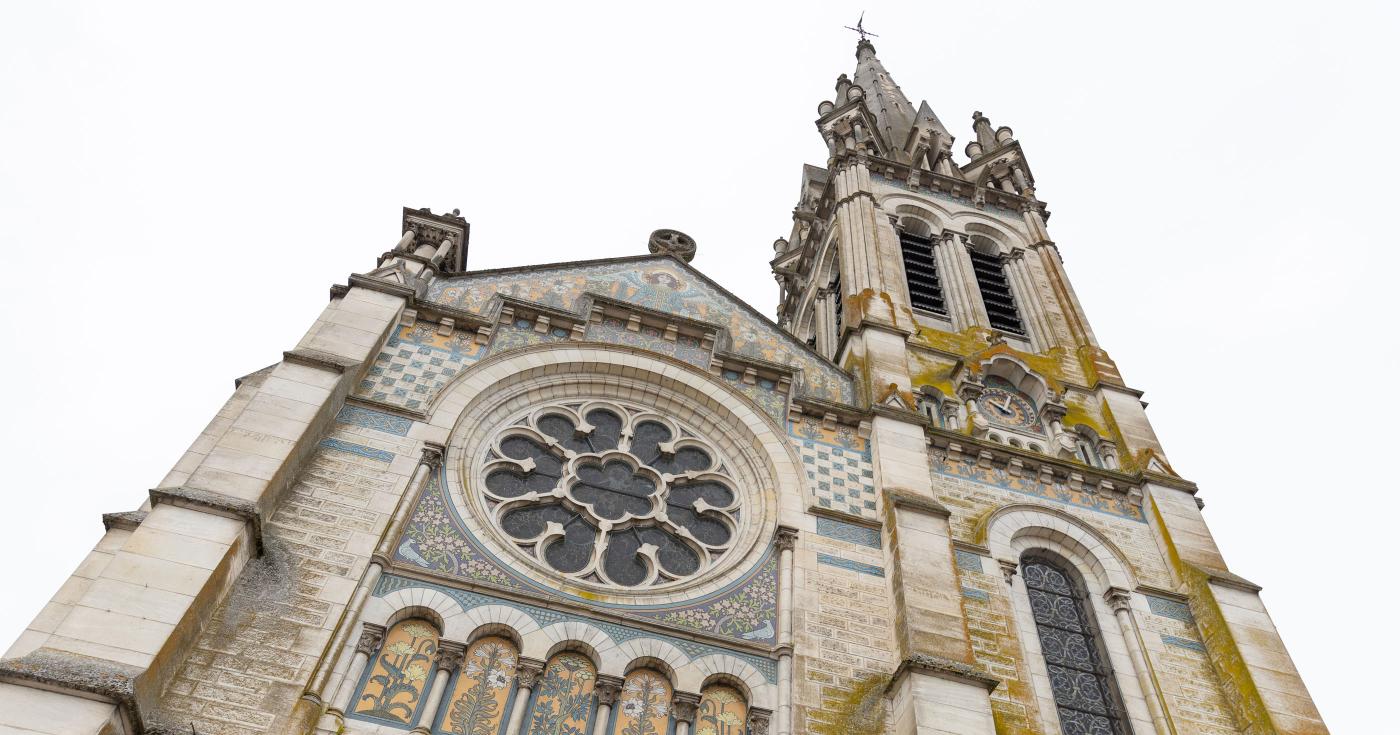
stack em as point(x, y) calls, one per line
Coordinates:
point(416, 363)
point(662, 285)
point(1059, 491)
point(542, 616)
point(838, 465)
point(763, 391)
point(684, 347)
point(517, 333)
point(436, 539)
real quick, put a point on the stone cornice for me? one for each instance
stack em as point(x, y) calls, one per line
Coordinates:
point(126, 521)
point(91, 678)
point(215, 503)
point(318, 359)
point(384, 407)
point(943, 668)
point(901, 498)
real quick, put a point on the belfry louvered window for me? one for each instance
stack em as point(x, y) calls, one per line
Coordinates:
point(996, 292)
point(838, 302)
point(1081, 678)
point(921, 273)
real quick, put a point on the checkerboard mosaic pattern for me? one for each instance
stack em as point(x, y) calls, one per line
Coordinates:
point(416, 363)
point(841, 478)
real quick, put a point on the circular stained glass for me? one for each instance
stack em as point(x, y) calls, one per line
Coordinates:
point(605, 492)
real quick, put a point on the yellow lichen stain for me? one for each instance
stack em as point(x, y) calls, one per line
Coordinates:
point(1078, 414)
point(860, 711)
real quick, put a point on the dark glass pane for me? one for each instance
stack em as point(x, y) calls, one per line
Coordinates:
point(1056, 610)
point(1084, 723)
point(621, 561)
point(714, 493)
point(614, 490)
point(571, 553)
point(709, 531)
point(647, 435)
point(607, 428)
point(562, 429)
point(685, 459)
point(506, 483)
point(674, 555)
point(529, 522)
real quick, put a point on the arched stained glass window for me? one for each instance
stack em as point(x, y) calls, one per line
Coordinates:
point(393, 689)
point(644, 706)
point(1081, 677)
point(563, 696)
point(478, 702)
point(723, 711)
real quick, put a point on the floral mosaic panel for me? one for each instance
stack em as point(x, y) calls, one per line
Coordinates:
point(564, 697)
point(436, 539)
point(644, 708)
point(723, 711)
point(663, 285)
point(390, 583)
point(394, 686)
point(519, 333)
point(763, 391)
point(838, 465)
point(477, 705)
point(416, 363)
point(966, 468)
point(683, 347)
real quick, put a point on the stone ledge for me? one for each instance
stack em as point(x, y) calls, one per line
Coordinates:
point(319, 359)
point(899, 498)
point(216, 503)
point(127, 521)
point(78, 675)
point(945, 668)
point(1229, 579)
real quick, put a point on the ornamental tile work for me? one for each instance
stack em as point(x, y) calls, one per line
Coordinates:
point(1168, 608)
point(722, 711)
point(1059, 491)
point(644, 708)
point(519, 333)
point(838, 466)
point(977, 595)
point(376, 420)
point(360, 449)
point(968, 561)
point(1186, 643)
point(563, 700)
point(684, 347)
point(435, 538)
point(393, 687)
point(477, 704)
point(416, 363)
point(848, 532)
point(855, 566)
point(763, 391)
point(390, 583)
point(661, 284)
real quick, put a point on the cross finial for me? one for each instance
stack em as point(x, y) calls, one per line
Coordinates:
point(860, 28)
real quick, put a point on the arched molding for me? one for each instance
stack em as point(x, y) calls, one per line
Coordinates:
point(651, 663)
point(497, 388)
point(930, 212)
point(730, 669)
point(624, 657)
point(1012, 530)
point(1019, 374)
point(974, 222)
point(486, 618)
point(573, 635)
point(436, 607)
point(918, 219)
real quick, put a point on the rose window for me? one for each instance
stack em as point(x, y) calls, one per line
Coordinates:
point(600, 492)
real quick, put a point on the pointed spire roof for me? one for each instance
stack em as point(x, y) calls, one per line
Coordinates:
point(894, 113)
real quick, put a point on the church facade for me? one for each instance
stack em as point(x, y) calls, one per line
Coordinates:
point(608, 497)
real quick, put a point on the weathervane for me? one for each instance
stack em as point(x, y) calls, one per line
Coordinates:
point(859, 28)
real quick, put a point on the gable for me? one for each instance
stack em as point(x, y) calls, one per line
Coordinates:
point(661, 284)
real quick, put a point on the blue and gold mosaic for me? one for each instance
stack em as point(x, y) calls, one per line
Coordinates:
point(416, 363)
point(376, 420)
point(663, 285)
point(854, 566)
point(436, 539)
point(684, 347)
point(763, 391)
point(517, 333)
point(544, 616)
point(967, 468)
point(848, 532)
point(838, 466)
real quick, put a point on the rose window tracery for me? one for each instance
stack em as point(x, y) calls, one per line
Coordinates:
point(607, 493)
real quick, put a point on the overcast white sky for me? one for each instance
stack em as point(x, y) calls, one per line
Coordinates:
point(181, 184)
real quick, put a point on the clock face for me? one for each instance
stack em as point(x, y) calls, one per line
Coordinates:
point(1009, 409)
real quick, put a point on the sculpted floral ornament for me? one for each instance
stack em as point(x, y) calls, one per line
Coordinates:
point(607, 493)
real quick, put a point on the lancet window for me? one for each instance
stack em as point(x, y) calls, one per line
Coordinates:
point(996, 292)
point(1081, 678)
point(921, 273)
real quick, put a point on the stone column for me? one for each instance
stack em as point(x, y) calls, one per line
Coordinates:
point(370, 638)
point(955, 290)
point(607, 688)
point(526, 673)
point(1038, 326)
point(1073, 313)
point(969, 392)
point(1121, 602)
point(449, 658)
point(683, 706)
point(786, 541)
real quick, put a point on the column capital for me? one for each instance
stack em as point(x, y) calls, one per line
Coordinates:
point(433, 454)
point(1008, 568)
point(607, 687)
point(370, 638)
point(1119, 599)
point(450, 655)
point(758, 720)
point(527, 671)
point(684, 705)
point(786, 538)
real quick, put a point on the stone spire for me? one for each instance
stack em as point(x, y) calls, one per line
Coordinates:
point(894, 113)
